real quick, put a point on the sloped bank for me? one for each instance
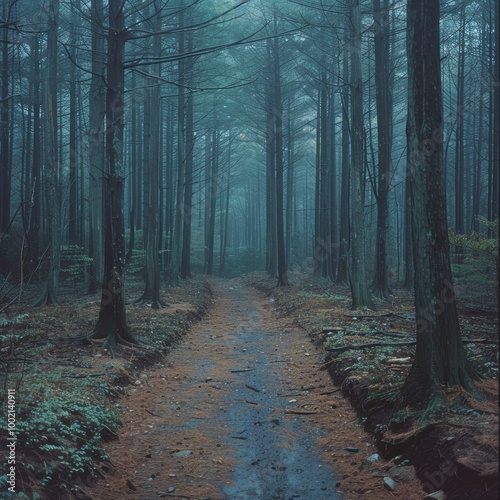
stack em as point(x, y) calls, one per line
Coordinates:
point(455, 453)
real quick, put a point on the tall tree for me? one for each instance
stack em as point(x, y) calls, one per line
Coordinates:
point(278, 134)
point(440, 356)
point(188, 183)
point(152, 290)
point(36, 185)
point(211, 202)
point(383, 80)
point(176, 256)
point(52, 180)
point(97, 110)
point(345, 176)
point(5, 161)
point(359, 287)
point(112, 322)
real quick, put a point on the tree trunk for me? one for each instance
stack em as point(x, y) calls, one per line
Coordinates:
point(5, 161)
point(383, 71)
point(359, 288)
point(36, 185)
point(290, 182)
point(440, 356)
point(97, 111)
point(214, 172)
point(52, 180)
point(280, 226)
point(459, 142)
point(188, 184)
point(225, 220)
point(332, 189)
point(152, 290)
point(73, 234)
point(344, 196)
point(271, 203)
point(112, 324)
point(175, 258)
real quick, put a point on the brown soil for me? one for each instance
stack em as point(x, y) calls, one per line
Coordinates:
point(453, 449)
point(198, 426)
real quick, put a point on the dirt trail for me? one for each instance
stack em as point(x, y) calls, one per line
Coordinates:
point(241, 410)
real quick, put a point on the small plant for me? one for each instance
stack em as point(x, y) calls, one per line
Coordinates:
point(74, 262)
point(66, 432)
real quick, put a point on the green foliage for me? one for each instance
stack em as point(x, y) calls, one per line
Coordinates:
point(66, 432)
point(74, 262)
point(6, 321)
point(478, 243)
point(137, 262)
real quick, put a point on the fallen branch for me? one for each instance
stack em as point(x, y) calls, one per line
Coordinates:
point(301, 412)
point(398, 344)
point(243, 370)
point(252, 388)
point(327, 393)
point(479, 341)
point(363, 316)
point(371, 344)
point(151, 413)
point(70, 375)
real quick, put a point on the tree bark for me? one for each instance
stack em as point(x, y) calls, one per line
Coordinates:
point(188, 182)
point(97, 111)
point(5, 160)
point(344, 197)
point(175, 257)
point(52, 178)
point(112, 323)
point(152, 289)
point(359, 288)
point(383, 70)
point(278, 127)
point(440, 356)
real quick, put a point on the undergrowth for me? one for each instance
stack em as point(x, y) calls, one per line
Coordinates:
point(66, 395)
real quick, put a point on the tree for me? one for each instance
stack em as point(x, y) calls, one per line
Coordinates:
point(278, 137)
point(211, 198)
point(176, 255)
point(97, 110)
point(152, 290)
point(52, 181)
point(5, 161)
point(112, 323)
point(440, 358)
point(345, 177)
point(359, 287)
point(383, 72)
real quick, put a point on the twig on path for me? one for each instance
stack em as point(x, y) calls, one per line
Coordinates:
point(151, 413)
point(242, 370)
point(252, 388)
point(326, 393)
point(302, 412)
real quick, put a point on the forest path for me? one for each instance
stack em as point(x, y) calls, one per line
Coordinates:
point(239, 410)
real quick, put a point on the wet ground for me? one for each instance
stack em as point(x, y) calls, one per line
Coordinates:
point(241, 410)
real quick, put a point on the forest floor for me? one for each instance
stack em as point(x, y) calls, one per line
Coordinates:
point(244, 405)
point(243, 408)
point(453, 450)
